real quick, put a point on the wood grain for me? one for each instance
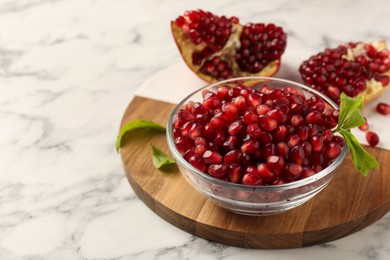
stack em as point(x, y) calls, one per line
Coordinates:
point(348, 204)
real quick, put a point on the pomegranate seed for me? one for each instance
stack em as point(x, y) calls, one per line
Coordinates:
point(264, 172)
point(383, 108)
point(267, 123)
point(250, 147)
point(372, 138)
point(293, 140)
point(275, 163)
point(328, 135)
point(303, 132)
point(282, 150)
point(293, 171)
point(317, 142)
point(250, 117)
point(254, 131)
point(182, 144)
point(218, 170)
point(200, 149)
point(234, 156)
point(197, 162)
point(254, 100)
point(195, 131)
point(332, 150)
point(212, 157)
point(231, 112)
point(235, 173)
point(296, 120)
point(297, 155)
point(307, 148)
point(307, 172)
point(314, 117)
point(364, 126)
point(280, 133)
point(223, 93)
point(236, 128)
point(201, 141)
point(250, 179)
point(231, 143)
point(263, 109)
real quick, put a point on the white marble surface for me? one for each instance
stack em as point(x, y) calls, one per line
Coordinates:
point(68, 69)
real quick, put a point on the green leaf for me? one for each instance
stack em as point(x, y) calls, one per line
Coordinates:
point(161, 159)
point(355, 119)
point(136, 124)
point(347, 105)
point(363, 161)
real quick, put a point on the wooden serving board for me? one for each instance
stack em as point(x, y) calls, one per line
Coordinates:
point(348, 204)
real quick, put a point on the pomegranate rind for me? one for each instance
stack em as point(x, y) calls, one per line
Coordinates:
point(187, 48)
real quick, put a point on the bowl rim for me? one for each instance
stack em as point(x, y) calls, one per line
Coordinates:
point(180, 159)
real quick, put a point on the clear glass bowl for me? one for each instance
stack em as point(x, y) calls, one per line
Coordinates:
point(246, 199)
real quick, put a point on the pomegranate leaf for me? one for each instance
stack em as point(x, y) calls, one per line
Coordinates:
point(363, 161)
point(350, 116)
point(347, 105)
point(136, 124)
point(161, 159)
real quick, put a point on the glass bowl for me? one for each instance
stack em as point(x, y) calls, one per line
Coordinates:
point(249, 199)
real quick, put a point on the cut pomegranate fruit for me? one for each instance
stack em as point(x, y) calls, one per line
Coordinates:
point(218, 47)
point(353, 68)
point(372, 138)
point(383, 108)
point(258, 137)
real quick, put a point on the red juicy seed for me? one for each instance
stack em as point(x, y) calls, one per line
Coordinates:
point(293, 171)
point(250, 179)
point(176, 132)
point(250, 117)
point(217, 122)
point(202, 118)
point(317, 168)
point(339, 140)
point(315, 129)
point(231, 112)
point(223, 93)
point(267, 123)
point(364, 126)
point(201, 141)
point(383, 108)
point(383, 79)
point(278, 181)
point(254, 100)
point(262, 109)
point(200, 149)
point(190, 152)
point(254, 131)
point(318, 106)
point(234, 156)
point(265, 138)
point(250, 147)
point(316, 159)
point(212, 157)
point(317, 142)
point(282, 150)
point(236, 128)
point(195, 131)
point(280, 133)
point(328, 135)
point(293, 140)
point(333, 93)
point(268, 150)
point(198, 108)
point(303, 132)
point(276, 163)
point(296, 120)
point(197, 162)
point(213, 147)
point(218, 170)
point(277, 115)
point(314, 117)
point(231, 143)
point(240, 103)
point(264, 172)
point(220, 137)
point(307, 148)
point(372, 138)
point(307, 172)
point(185, 129)
point(235, 173)
point(297, 155)
point(209, 131)
point(212, 103)
point(332, 150)
point(185, 115)
point(182, 144)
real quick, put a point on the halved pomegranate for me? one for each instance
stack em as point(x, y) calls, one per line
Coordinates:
point(217, 47)
point(353, 68)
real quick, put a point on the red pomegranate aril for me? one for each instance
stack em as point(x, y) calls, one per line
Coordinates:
point(267, 123)
point(316, 159)
point(217, 122)
point(328, 135)
point(265, 138)
point(293, 171)
point(278, 181)
point(317, 168)
point(200, 149)
point(209, 131)
point(250, 179)
point(315, 129)
point(254, 100)
point(277, 115)
point(332, 150)
point(231, 143)
point(254, 131)
point(230, 112)
point(297, 155)
point(250, 117)
point(234, 156)
point(304, 132)
point(218, 170)
point(372, 138)
point(236, 128)
point(185, 115)
point(282, 150)
point(293, 140)
point(212, 103)
point(262, 109)
point(240, 103)
point(383, 108)
point(276, 163)
point(364, 127)
point(182, 144)
point(307, 148)
point(223, 93)
point(317, 142)
point(195, 131)
point(339, 140)
point(220, 137)
point(314, 117)
point(264, 172)
point(268, 150)
point(280, 133)
point(307, 172)
point(235, 173)
point(201, 140)
point(197, 161)
point(212, 157)
point(296, 120)
point(250, 147)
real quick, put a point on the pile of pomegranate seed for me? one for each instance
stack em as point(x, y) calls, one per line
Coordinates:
point(350, 68)
point(257, 136)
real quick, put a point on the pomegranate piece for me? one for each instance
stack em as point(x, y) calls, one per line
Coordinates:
point(372, 138)
point(257, 137)
point(383, 108)
point(353, 68)
point(218, 47)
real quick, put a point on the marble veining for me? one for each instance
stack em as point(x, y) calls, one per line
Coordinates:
point(68, 70)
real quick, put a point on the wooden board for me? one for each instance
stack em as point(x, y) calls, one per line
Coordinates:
point(349, 203)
